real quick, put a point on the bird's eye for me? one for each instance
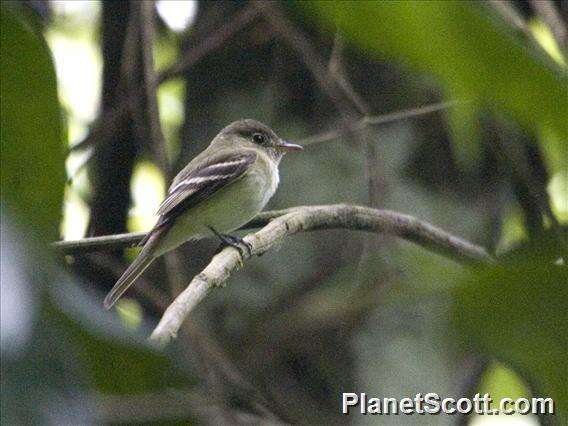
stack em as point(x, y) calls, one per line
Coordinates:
point(259, 138)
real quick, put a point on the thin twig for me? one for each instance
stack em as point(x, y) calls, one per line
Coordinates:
point(379, 119)
point(104, 127)
point(292, 36)
point(113, 242)
point(105, 242)
point(212, 42)
point(127, 240)
point(336, 69)
point(310, 218)
point(151, 110)
point(376, 182)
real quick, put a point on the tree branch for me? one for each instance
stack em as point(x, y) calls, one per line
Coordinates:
point(337, 70)
point(104, 126)
point(105, 242)
point(310, 218)
point(311, 58)
point(128, 240)
point(150, 110)
point(379, 119)
point(211, 43)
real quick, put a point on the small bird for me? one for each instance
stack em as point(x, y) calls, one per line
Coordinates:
point(219, 191)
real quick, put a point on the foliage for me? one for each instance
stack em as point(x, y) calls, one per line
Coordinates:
point(57, 344)
point(516, 312)
point(475, 58)
point(31, 126)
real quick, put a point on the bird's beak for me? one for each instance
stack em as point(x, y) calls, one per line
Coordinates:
point(288, 146)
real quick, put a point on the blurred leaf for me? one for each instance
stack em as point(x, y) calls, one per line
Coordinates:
point(502, 382)
point(114, 362)
point(474, 57)
point(516, 312)
point(59, 348)
point(33, 173)
point(546, 39)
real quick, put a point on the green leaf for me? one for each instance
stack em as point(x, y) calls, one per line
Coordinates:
point(33, 169)
point(107, 358)
point(60, 349)
point(502, 382)
point(516, 312)
point(473, 55)
point(114, 360)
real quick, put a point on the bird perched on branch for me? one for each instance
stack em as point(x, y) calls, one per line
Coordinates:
point(219, 191)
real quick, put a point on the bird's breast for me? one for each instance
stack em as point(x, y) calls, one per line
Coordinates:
point(227, 209)
point(268, 178)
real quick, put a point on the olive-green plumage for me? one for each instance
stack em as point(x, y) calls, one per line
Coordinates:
point(222, 188)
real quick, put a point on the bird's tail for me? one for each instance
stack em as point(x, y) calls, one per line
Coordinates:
point(144, 259)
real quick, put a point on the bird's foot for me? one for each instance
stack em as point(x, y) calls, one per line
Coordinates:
point(232, 241)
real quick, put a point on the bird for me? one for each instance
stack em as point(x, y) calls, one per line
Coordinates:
point(220, 190)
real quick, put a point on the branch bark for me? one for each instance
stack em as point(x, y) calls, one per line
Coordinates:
point(379, 221)
point(128, 240)
point(310, 218)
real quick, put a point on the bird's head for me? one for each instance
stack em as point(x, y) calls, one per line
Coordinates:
point(252, 133)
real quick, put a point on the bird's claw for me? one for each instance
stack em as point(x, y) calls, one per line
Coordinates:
point(233, 241)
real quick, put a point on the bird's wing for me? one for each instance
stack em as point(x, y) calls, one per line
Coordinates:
point(193, 186)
